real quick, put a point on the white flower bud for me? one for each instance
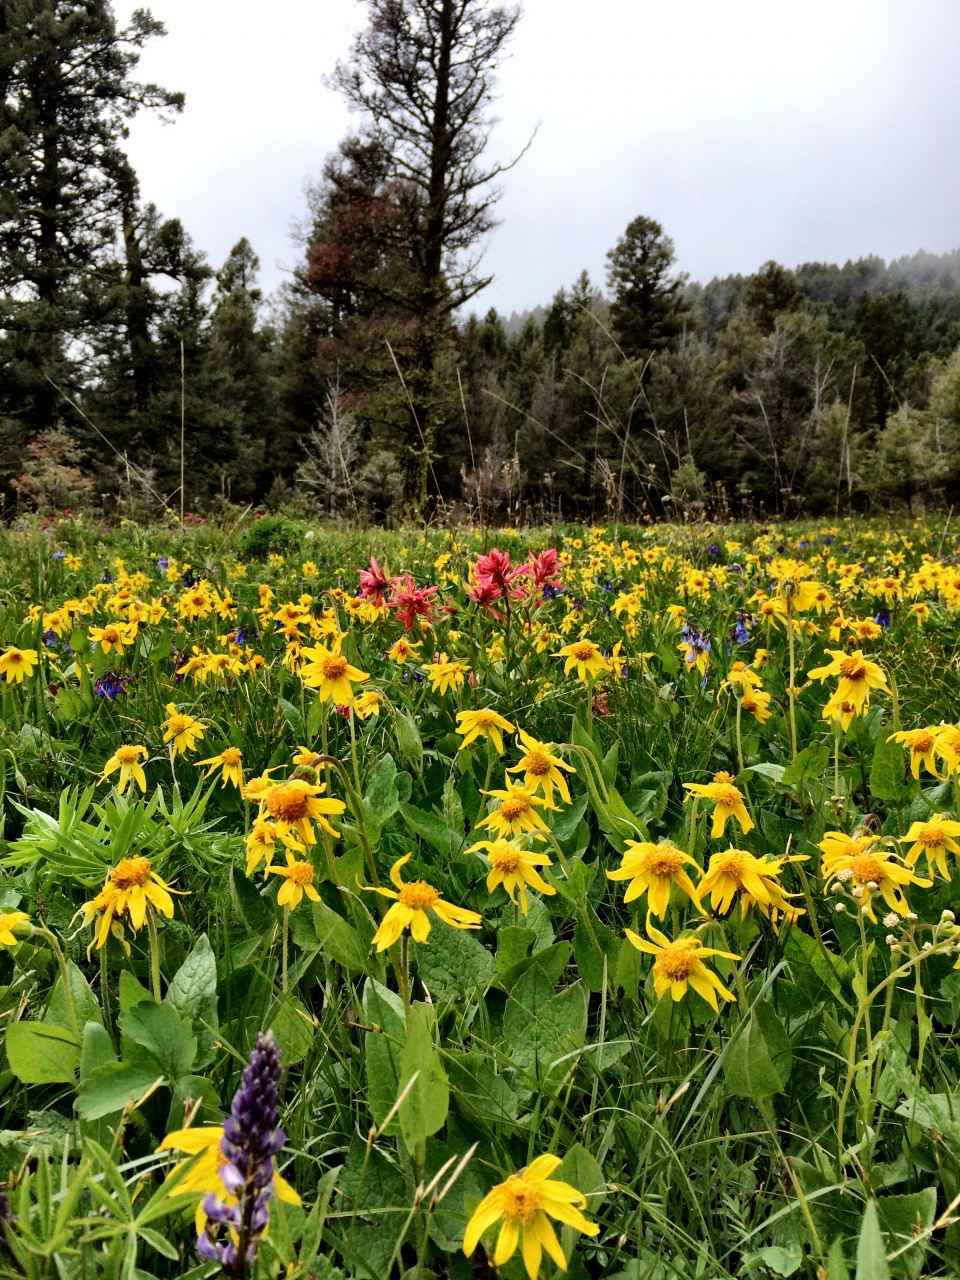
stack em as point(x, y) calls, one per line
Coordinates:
point(948, 916)
point(891, 940)
point(927, 946)
point(857, 892)
point(841, 907)
point(912, 917)
point(845, 875)
point(872, 886)
point(891, 919)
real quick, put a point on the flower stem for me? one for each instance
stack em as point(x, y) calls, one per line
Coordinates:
point(64, 974)
point(154, 953)
point(286, 932)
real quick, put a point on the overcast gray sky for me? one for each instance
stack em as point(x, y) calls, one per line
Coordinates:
point(798, 130)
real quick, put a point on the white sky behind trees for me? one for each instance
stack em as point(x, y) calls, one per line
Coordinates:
point(798, 130)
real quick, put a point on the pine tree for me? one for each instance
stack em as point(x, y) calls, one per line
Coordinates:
point(648, 306)
point(65, 98)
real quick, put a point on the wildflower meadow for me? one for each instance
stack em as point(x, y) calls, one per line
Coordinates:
point(472, 903)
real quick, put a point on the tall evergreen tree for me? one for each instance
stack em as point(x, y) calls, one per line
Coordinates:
point(66, 95)
point(423, 76)
point(648, 305)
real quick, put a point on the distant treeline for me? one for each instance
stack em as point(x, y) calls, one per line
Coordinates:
point(369, 387)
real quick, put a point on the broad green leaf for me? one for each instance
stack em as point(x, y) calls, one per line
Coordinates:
point(589, 961)
point(772, 772)
point(293, 1029)
point(808, 766)
point(581, 1170)
point(165, 1035)
point(564, 824)
point(189, 1090)
point(871, 1250)
point(97, 1049)
point(257, 912)
point(85, 1004)
point(131, 991)
point(432, 829)
point(194, 984)
point(453, 960)
point(408, 739)
point(888, 779)
point(339, 940)
point(425, 1107)
point(758, 1063)
point(836, 1263)
point(485, 1097)
point(552, 960)
point(112, 1086)
point(381, 801)
point(902, 1219)
point(539, 1026)
point(42, 1053)
point(382, 1049)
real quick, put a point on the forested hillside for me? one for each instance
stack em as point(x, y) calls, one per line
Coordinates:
point(374, 385)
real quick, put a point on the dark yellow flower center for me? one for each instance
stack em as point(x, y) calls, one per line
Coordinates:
point(584, 651)
point(733, 864)
point(418, 895)
point(522, 1200)
point(922, 743)
point(128, 755)
point(676, 962)
point(287, 803)
point(130, 872)
point(515, 807)
point(932, 836)
point(484, 719)
point(178, 725)
point(300, 873)
point(727, 795)
point(333, 666)
point(663, 862)
point(865, 868)
point(853, 668)
point(505, 858)
point(537, 763)
point(231, 756)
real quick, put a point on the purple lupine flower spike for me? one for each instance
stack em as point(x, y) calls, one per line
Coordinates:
point(250, 1140)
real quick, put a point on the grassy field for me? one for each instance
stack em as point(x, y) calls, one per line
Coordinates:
point(594, 877)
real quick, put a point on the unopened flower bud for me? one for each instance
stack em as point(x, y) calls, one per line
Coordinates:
point(891, 939)
point(912, 917)
point(927, 946)
point(841, 907)
point(948, 916)
point(836, 887)
point(858, 891)
point(22, 930)
point(872, 886)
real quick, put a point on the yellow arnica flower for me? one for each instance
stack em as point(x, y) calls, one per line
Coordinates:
point(403, 649)
point(183, 731)
point(727, 801)
point(257, 788)
point(127, 760)
point(444, 675)
point(741, 677)
point(295, 805)
point(261, 843)
point(680, 964)
point(8, 925)
point(737, 871)
point(113, 636)
point(653, 869)
point(299, 881)
point(130, 887)
point(523, 1202)
point(948, 746)
point(413, 901)
point(230, 761)
point(933, 838)
point(857, 862)
point(17, 663)
point(921, 743)
point(586, 657)
point(542, 769)
point(366, 705)
point(858, 675)
point(483, 724)
point(328, 671)
point(516, 812)
point(514, 868)
point(204, 1177)
point(757, 703)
